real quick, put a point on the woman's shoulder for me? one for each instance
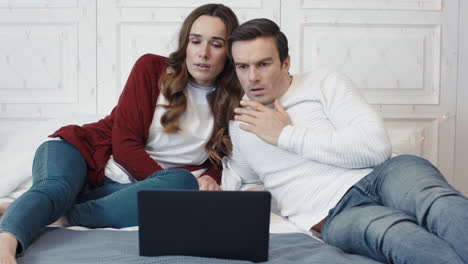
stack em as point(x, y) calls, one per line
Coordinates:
point(149, 58)
point(151, 61)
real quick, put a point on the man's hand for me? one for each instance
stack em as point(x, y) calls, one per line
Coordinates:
point(264, 122)
point(206, 183)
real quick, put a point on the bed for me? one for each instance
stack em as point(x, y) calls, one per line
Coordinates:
point(21, 137)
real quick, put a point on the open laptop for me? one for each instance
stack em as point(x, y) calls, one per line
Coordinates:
point(219, 224)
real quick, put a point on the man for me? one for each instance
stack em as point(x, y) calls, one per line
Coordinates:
point(322, 152)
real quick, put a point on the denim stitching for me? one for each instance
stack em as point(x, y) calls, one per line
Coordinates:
point(16, 233)
point(46, 152)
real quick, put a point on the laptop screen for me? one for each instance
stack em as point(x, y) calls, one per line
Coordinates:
point(220, 224)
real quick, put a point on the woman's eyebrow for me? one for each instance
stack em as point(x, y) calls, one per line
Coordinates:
point(218, 38)
point(199, 36)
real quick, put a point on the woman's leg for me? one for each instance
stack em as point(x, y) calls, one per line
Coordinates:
point(59, 172)
point(105, 187)
point(119, 209)
point(361, 226)
point(415, 186)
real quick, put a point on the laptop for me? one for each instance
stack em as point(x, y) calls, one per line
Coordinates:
point(217, 224)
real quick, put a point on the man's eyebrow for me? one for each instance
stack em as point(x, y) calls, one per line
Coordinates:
point(239, 63)
point(267, 59)
point(264, 60)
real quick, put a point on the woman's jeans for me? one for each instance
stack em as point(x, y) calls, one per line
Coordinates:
point(402, 212)
point(59, 188)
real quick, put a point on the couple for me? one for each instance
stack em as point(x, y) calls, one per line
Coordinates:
point(310, 140)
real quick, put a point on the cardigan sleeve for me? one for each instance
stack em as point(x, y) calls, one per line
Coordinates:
point(214, 172)
point(133, 116)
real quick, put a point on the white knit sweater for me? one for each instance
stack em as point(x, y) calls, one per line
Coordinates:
point(334, 140)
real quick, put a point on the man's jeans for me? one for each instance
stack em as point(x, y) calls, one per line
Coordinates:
point(402, 212)
point(59, 188)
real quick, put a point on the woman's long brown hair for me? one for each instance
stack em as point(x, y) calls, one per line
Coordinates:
point(222, 101)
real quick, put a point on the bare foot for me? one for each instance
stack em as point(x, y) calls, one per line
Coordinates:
point(8, 244)
point(3, 207)
point(62, 221)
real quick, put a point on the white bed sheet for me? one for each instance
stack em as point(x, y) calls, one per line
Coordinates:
point(278, 225)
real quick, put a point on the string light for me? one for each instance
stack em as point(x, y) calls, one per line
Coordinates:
point(421, 140)
point(445, 117)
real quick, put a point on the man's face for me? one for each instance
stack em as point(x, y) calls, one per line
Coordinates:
point(260, 72)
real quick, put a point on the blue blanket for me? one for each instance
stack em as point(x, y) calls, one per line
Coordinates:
point(59, 245)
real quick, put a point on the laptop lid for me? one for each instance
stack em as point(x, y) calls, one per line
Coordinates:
point(219, 224)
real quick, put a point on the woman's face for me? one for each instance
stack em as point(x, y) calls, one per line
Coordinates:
point(206, 50)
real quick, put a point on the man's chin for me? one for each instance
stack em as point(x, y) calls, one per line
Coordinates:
point(262, 100)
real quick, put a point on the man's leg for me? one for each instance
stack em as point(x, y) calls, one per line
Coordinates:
point(358, 225)
point(59, 172)
point(119, 209)
point(414, 185)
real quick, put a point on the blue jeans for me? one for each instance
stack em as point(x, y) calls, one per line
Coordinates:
point(60, 188)
point(402, 212)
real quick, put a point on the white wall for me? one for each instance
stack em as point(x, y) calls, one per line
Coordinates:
point(461, 149)
point(73, 56)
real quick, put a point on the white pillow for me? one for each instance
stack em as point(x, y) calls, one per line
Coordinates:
point(18, 144)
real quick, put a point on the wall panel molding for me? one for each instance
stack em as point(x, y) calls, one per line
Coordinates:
point(190, 4)
point(37, 4)
point(40, 60)
point(422, 5)
point(414, 135)
point(48, 53)
point(398, 63)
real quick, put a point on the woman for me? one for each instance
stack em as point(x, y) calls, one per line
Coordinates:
point(91, 178)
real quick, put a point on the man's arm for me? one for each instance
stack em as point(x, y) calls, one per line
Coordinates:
point(237, 173)
point(358, 139)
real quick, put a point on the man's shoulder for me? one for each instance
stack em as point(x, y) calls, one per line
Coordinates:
point(234, 129)
point(322, 79)
point(238, 135)
point(308, 82)
point(320, 75)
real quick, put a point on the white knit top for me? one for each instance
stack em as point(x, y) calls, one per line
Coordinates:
point(187, 146)
point(334, 140)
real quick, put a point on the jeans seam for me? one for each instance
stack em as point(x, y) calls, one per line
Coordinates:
point(18, 234)
point(9, 211)
point(45, 164)
point(365, 191)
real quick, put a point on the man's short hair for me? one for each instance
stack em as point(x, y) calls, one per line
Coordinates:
point(256, 28)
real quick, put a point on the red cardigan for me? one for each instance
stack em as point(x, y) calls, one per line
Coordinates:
point(124, 132)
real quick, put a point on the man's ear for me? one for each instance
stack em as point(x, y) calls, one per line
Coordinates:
point(286, 63)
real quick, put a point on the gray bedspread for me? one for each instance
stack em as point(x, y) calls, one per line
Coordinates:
point(59, 245)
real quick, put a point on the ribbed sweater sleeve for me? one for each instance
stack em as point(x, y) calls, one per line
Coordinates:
point(358, 140)
point(239, 166)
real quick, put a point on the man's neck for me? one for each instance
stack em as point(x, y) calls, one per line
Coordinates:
point(286, 81)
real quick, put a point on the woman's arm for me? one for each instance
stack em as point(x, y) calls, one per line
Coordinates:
point(133, 116)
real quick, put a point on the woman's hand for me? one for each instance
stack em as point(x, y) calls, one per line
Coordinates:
point(206, 183)
point(253, 190)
